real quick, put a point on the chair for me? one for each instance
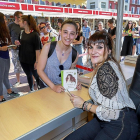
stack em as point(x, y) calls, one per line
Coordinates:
point(134, 90)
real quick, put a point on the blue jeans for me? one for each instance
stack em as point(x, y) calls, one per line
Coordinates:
point(78, 47)
point(124, 128)
point(137, 48)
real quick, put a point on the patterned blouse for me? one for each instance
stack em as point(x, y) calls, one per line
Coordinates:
point(108, 91)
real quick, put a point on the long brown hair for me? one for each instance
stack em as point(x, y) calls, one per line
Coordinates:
point(4, 32)
point(106, 39)
point(31, 22)
point(79, 30)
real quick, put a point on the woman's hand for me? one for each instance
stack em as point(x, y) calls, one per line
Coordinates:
point(17, 42)
point(76, 101)
point(3, 48)
point(79, 86)
point(58, 88)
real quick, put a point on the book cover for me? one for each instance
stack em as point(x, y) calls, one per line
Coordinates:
point(69, 79)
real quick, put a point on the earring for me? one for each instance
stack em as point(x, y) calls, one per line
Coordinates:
point(110, 56)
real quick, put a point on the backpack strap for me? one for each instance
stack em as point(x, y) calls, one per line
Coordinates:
point(74, 54)
point(52, 47)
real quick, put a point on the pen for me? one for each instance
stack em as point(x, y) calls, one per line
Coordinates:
point(69, 93)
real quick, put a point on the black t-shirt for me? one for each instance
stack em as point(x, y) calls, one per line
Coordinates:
point(29, 44)
point(78, 37)
point(112, 32)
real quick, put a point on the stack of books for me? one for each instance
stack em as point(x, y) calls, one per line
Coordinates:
point(130, 60)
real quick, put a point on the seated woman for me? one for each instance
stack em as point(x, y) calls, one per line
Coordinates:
point(61, 58)
point(115, 116)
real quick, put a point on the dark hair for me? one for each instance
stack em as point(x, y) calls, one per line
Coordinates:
point(127, 26)
point(60, 20)
point(16, 14)
point(31, 22)
point(106, 39)
point(42, 23)
point(79, 30)
point(71, 23)
point(72, 79)
point(111, 21)
point(4, 32)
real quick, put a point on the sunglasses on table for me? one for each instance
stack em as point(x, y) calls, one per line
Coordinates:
point(61, 67)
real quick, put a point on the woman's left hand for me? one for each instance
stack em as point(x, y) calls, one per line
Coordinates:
point(76, 101)
point(78, 86)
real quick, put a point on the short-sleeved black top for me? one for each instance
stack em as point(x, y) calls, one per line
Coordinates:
point(29, 44)
point(112, 32)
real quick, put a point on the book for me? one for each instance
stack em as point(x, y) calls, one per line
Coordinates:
point(130, 60)
point(69, 79)
point(10, 46)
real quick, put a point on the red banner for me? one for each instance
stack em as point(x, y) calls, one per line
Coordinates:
point(105, 13)
point(81, 11)
point(135, 16)
point(95, 12)
point(48, 9)
point(10, 6)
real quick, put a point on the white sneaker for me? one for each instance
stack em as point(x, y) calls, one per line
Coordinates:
point(16, 84)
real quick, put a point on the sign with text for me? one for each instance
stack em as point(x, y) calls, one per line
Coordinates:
point(135, 16)
point(10, 6)
point(81, 11)
point(48, 9)
point(105, 13)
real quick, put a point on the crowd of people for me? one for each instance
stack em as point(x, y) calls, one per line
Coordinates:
point(42, 52)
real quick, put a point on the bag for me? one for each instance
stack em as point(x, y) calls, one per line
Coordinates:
point(52, 47)
point(134, 90)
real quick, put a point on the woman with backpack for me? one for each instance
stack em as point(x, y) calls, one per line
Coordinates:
point(57, 56)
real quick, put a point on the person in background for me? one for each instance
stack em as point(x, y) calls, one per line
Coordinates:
point(77, 44)
point(52, 31)
point(49, 67)
point(15, 31)
point(45, 34)
point(134, 38)
point(29, 49)
point(100, 27)
point(112, 28)
point(128, 40)
point(5, 40)
point(59, 23)
point(86, 34)
point(114, 111)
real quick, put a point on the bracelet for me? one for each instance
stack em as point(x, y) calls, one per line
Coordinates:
point(90, 107)
point(83, 105)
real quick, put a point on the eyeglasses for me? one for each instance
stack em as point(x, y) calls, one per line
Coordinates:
point(48, 25)
point(61, 67)
point(42, 27)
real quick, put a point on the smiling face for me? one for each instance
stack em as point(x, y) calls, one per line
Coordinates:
point(68, 34)
point(96, 52)
point(43, 28)
point(129, 24)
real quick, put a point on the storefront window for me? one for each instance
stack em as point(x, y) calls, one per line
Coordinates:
point(92, 5)
point(22, 1)
point(12, 1)
point(42, 2)
point(103, 4)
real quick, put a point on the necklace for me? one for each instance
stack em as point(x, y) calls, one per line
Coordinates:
point(63, 53)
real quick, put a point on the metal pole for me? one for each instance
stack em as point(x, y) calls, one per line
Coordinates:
point(119, 29)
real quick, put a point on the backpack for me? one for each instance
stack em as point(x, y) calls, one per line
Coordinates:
point(52, 47)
